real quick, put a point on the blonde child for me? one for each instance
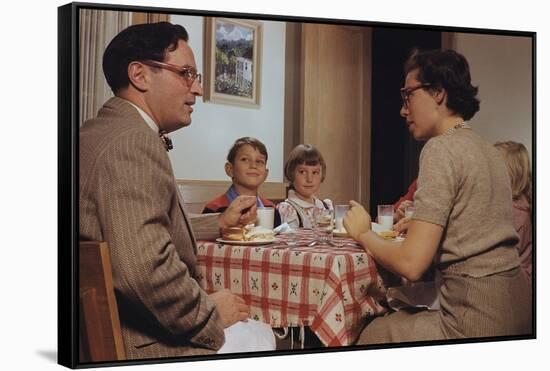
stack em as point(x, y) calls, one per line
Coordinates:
point(305, 169)
point(519, 169)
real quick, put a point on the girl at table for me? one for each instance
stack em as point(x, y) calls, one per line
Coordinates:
point(519, 169)
point(305, 169)
point(462, 219)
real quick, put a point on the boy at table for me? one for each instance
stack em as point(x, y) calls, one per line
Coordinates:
point(247, 167)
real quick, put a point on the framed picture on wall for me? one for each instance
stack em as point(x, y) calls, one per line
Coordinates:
point(232, 61)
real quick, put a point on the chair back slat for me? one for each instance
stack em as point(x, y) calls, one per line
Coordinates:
point(100, 333)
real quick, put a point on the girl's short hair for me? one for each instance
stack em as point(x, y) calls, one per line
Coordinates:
point(304, 154)
point(255, 143)
point(519, 168)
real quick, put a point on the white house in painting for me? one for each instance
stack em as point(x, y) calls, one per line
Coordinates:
point(244, 71)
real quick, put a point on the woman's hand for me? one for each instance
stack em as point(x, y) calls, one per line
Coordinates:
point(402, 226)
point(400, 212)
point(357, 221)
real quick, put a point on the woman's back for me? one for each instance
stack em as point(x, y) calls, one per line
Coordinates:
point(462, 186)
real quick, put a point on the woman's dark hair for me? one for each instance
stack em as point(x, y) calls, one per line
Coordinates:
point(141, 42)
point(255, 143)
point(304, 154)
point(449, 70)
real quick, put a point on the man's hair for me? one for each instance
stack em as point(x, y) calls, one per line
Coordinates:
point(255, 143)
point(304, 154)
point(141, 42)
point(449, 70)
point(519, 168)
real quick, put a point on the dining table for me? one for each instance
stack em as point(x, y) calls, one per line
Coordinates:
point(331, 286)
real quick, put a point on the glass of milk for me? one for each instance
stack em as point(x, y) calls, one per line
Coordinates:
point(385, 216)
point(340, 212)
point(265, 217)
point(409, 212)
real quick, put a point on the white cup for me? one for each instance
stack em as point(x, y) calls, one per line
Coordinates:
point(385, 216)
point(409, 212)
point(265, 217)
point(340, 211)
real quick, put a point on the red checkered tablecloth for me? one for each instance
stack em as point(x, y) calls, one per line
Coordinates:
point(330, 289)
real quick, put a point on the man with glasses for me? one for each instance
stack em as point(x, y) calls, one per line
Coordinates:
point(129, 198)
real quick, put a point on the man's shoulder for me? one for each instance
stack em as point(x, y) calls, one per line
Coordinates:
point(115, 127)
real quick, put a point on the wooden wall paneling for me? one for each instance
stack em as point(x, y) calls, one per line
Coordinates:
point(140, 18)
point(447, 40)
point(293, 92)
point(335, 71)
point(365, 132)
point(196, 193)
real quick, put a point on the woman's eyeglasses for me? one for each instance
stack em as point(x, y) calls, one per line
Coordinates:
point(406, 92)
point(189, 73)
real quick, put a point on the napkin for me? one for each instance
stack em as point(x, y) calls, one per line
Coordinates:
point(415, 294)
point(283, 228)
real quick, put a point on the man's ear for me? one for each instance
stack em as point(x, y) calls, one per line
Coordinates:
point(138, 75)
point(229, 169)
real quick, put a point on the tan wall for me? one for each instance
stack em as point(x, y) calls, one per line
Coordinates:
point(335, 111)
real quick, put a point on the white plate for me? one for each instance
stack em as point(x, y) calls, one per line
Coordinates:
point(340, 233)
point(246, 243)
point(378, 227)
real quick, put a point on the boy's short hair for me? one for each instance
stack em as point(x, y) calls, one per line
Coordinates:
point(304, 154)
point(255, 143)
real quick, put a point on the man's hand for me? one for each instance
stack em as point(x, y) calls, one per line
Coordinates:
point(241, 211)
point(231, 307)
point(357, 221)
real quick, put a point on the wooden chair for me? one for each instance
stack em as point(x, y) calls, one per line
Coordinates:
point(100, 337)
point(196, 193)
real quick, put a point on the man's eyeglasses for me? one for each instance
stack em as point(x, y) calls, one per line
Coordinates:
point(189, 73)
point(406, 92)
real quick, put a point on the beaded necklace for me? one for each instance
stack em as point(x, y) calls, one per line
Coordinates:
point(462, 125)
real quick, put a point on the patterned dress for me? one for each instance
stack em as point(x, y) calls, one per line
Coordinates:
point(299, 213)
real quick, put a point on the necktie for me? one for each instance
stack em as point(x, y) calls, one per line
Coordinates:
point(166, 140)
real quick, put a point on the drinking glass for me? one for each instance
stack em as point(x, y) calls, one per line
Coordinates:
point(409, 212)
point(324, 224)
point(340, 212)
point(265, 217)
point(385, 216)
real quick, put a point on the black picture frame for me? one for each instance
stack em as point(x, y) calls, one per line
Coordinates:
point(68, 170)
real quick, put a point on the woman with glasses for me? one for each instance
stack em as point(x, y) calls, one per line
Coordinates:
point(462, 219)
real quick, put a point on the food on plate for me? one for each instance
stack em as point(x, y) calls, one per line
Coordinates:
point(247, 233)
point(233, 233)
point(388, 235)
point(259, 233)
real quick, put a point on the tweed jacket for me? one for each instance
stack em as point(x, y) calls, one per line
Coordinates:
point(129, 198)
